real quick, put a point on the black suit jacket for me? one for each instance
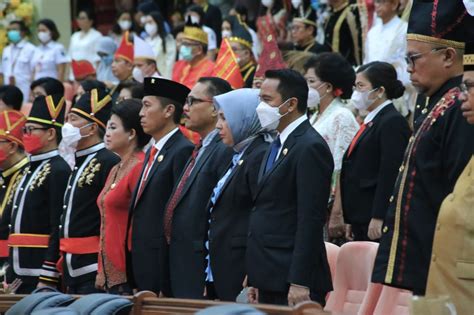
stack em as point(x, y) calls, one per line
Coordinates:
point(147, 263)
point(369, 173)
point(187, 252)
point(229, 222)
point(285, 240)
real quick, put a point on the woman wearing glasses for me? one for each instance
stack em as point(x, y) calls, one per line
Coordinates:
point(125, 137)
point(370, 164)
point(330, 78)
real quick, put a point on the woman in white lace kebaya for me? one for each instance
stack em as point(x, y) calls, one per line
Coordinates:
point(331, 78)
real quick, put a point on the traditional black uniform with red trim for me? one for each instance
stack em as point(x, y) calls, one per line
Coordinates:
point(11, 124)
point(436, 155)
point(36, 206)
point(10, 178)
point(80, 220)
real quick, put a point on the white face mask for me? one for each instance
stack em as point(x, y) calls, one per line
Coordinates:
point(269, 116)
point(267, 3)
point(125, 25)
point(44, 37)
point(195, 19)
point(151, 28)
point(138, 75)
point(71, 135)
point(313, 98)
point(296, 3)
point(360, 100)
point(469, 4)
point(226, 33)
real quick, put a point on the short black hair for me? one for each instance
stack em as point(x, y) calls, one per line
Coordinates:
point(127, 84)
point(292, 84)
point(22, 25)
point(11, 96)
point(333, 68)
point(128, 111)
point(215, 86)
point(199, 10)
point(50, 85)
point(242, 10)
point(138, 91)
point(51, 26)
point(383, 74)
point(88, 11)
point(89, 85)
point(116, 28)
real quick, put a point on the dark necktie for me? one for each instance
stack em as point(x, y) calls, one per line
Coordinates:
point(177, 193)
point(274, 148)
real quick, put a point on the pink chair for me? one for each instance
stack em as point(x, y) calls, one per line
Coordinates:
point(332, 251)
point(354, 266)
point(393, 301)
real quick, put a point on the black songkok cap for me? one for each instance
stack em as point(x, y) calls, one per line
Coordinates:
point(469, 57)
point(166, 88)
point(95, 106)
point(440, 22)
point(48, 110)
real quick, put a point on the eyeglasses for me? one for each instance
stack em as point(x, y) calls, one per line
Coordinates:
point(465, 86)
point(28, 130)
point(4, 141)
point(410, 59)
point(190, 100)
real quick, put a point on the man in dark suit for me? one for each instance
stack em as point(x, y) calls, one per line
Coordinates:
point(147, 254)
point(286, 255)
point(186, 213)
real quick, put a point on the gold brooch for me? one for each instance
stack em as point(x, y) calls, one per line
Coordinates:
point(160, 158)
point(41, 177)
point(87, 176)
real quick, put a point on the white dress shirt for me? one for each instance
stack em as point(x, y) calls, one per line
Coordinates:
point(46, 58)
point(288, 130)
point(371, 115)
point(164, 60)
point(16, 62)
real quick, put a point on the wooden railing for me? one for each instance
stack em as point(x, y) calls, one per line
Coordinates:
point(147, 303)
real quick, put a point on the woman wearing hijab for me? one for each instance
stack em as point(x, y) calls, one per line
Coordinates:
point(231, 200)
point(106, 48)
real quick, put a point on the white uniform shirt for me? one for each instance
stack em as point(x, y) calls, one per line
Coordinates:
point(16, 62)
point(164, 61)
point(387, 42)
point(83, 47)
point(211, 38)
point(46, 58)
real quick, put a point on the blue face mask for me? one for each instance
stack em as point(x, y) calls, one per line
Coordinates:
point(315, 4)
point(186, 53)
point(14, 36)
point(107, 60)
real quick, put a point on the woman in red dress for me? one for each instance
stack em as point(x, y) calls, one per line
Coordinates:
point(125, 137)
